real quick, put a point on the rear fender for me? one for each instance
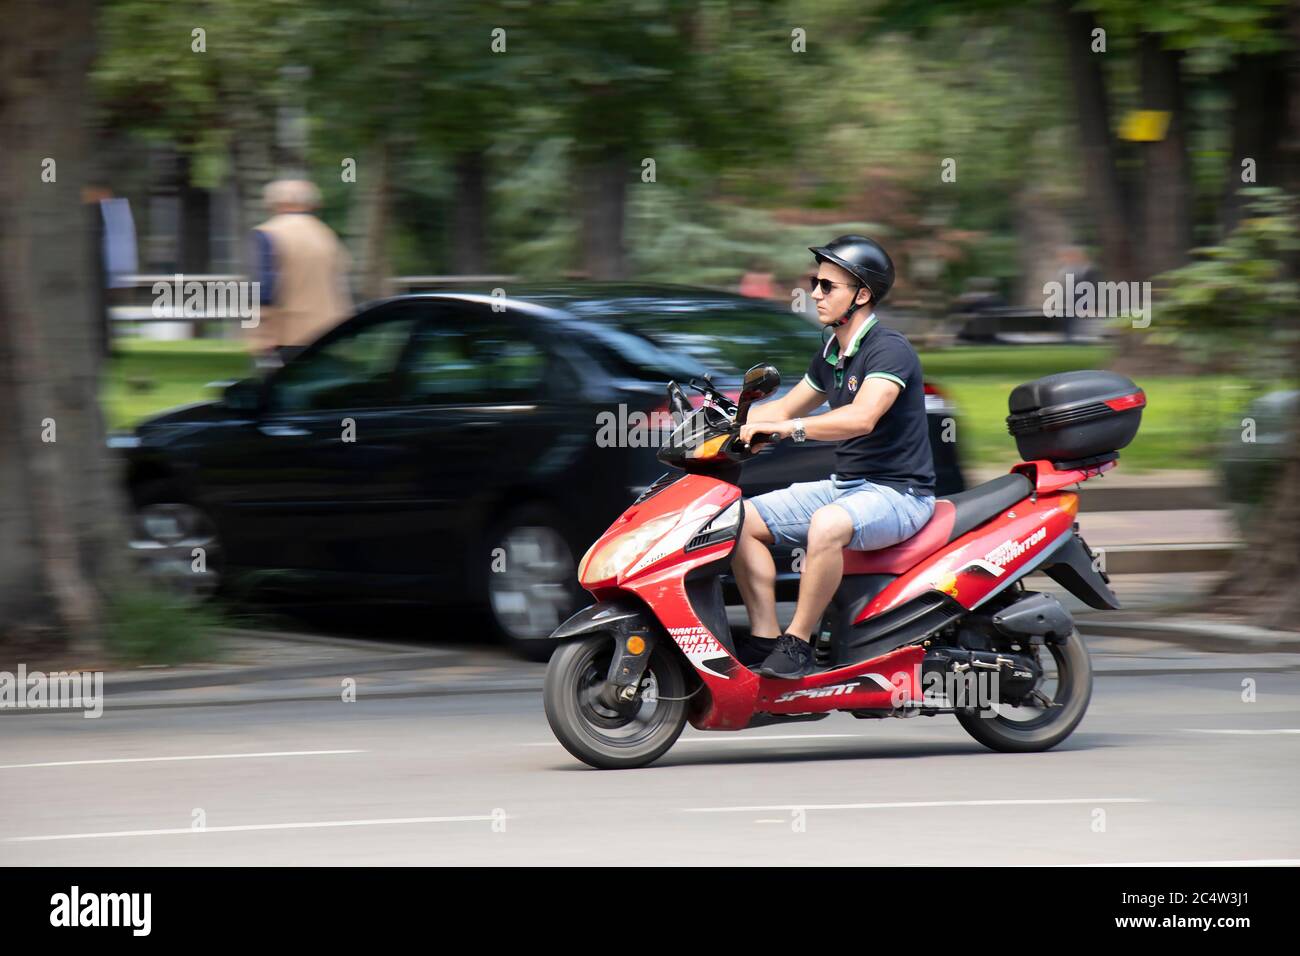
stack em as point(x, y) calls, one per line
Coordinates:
point(1071, 566)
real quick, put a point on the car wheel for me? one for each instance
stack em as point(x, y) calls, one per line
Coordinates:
point(532, 579)
point(174, 542)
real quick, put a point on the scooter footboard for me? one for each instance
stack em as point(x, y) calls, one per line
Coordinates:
point(887, 682)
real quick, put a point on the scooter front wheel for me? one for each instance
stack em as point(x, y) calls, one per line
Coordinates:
point(608, 738)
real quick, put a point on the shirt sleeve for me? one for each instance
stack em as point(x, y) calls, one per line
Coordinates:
point(893, 360)
point(815, 376)
point(264, 266)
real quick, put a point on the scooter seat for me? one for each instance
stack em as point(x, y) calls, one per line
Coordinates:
point(905, 555)
point(953, 516)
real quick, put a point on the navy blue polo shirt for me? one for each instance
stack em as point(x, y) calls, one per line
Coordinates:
point(897, 452)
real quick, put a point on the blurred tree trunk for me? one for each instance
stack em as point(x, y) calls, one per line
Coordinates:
point(602, 197)
point(1167, 198)
point(1259, 121)
point(370, 223)
point(195, 221)
point(252, 167)
point(1108, 204)
point(1042, 230)
point(60, 512)
point(469, 215)
point(1261, 581)
point(1289, 146)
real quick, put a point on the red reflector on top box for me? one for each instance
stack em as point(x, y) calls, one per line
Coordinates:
point(1136, 400)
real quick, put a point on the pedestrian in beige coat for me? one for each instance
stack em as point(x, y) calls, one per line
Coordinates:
point(303, 270)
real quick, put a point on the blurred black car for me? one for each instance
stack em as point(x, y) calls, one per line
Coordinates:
point(457, 447)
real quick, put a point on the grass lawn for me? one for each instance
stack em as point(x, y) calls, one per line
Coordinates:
point(1181, 420)
point(1182, 417)
point(147, 377)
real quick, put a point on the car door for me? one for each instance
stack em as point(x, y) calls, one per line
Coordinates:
point(297, 482)
point(476, 405)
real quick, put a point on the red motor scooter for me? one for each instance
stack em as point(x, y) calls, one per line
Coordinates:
point(938, 624)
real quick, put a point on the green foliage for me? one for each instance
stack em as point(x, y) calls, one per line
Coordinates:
point(152, 83)
point(149, 626)
point(1238, 304)
point(1210, 32)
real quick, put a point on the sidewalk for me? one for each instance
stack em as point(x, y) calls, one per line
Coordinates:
point(1149, 635)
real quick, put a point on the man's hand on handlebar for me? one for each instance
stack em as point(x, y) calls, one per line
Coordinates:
point(757, 433)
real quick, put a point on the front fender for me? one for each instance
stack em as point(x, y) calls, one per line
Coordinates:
point(617, 617)
point(621, 620)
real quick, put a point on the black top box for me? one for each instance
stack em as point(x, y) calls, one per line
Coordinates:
point(1075, 417)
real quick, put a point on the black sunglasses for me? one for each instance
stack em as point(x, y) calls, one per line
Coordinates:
point(826, 284)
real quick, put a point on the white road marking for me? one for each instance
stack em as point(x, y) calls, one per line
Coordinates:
point(1280, 730)
point(313, 825)
point(914, 804)
point(271, 753)
point(1196, 863)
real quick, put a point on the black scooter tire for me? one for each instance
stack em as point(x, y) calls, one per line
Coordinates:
point(1075, 677)
point(567, 677)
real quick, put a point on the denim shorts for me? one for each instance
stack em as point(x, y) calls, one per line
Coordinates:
point(881, 515)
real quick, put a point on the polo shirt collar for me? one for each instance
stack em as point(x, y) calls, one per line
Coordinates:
point(834, 343)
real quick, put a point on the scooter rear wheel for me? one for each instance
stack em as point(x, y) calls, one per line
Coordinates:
point(1036, 728)
point(632, 735)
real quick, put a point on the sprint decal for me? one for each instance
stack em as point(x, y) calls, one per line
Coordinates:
point(834, 690)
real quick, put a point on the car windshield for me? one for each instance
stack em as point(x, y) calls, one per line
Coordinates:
point(721, 337)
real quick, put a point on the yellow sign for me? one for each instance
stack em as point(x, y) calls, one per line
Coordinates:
point(1144, 126)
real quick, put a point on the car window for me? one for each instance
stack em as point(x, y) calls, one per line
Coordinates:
point(354, 370)
point(465, 359)
point(719, 337)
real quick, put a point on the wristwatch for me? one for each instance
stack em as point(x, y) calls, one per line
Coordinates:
point(799, 434)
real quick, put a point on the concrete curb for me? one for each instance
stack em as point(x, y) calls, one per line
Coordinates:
point(1210, 636)
point(1167, 558)
point(251, 696)
point(1103, 497)
point(417, 660)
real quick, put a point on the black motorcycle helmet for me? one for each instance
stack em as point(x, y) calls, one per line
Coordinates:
point(864, 259)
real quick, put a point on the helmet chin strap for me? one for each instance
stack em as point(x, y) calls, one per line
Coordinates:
point(848, 315)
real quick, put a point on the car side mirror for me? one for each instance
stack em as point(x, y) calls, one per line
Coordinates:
point(760, 382)
point(244, 395)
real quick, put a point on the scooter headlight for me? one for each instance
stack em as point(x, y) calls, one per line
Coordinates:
point(623, 550)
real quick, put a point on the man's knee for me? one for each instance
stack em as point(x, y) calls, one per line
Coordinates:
point(754, 526)
point(831, 527)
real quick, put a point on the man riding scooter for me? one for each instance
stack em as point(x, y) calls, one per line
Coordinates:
point(882, 491)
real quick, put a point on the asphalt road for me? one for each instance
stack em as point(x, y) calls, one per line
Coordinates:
point(1173, 767)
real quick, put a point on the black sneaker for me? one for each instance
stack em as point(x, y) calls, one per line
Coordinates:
point(752, 651)
point(791, 659)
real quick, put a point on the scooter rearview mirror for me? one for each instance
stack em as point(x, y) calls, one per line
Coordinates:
point(760, 382)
